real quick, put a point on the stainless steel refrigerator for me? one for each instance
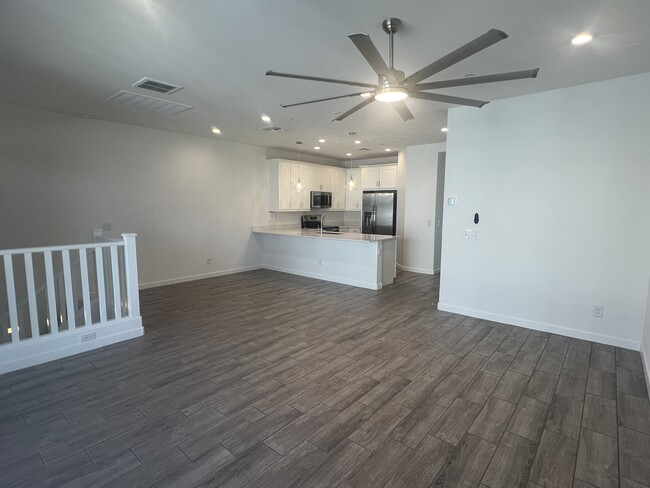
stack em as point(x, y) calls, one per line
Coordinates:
point(379, 214)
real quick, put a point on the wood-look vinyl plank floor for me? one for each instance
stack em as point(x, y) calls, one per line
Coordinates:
point(263, 379)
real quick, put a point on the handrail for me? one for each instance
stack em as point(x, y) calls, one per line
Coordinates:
point(38, 333)
point(70, 247)
point(40, 291)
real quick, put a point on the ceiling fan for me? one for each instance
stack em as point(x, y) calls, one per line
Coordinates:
point(394, 87)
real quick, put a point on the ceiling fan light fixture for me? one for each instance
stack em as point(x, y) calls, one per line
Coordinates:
point(582, 39)
point(391, 93)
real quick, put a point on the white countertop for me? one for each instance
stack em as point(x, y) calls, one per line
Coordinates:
point(315, 234)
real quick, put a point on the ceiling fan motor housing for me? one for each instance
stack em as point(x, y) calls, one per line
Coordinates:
point(391, 25)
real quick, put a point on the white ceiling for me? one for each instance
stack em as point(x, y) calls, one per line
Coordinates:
point(71, 55)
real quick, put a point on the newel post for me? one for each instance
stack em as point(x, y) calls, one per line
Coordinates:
point(131, 270)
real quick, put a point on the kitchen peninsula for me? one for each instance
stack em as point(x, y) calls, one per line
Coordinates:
point(351, 258)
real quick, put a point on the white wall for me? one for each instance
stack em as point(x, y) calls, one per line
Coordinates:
point(561, 181)
point(401, 194)
point(645, 346)
point(419, 172)
point(440, 206)
point(188, 198)
point(419, 207)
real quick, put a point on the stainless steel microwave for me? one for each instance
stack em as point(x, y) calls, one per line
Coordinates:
point(321, 199)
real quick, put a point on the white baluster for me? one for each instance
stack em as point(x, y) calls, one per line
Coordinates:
point(51, 294)
point(85, 290)
point(31, 294)
point(131, 270)
point(69, 295)
point(117, 293)
point(101, 284)
point(11, 298)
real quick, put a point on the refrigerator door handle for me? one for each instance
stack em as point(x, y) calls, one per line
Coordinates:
point(374, 217)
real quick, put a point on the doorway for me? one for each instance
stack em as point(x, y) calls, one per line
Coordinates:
point(440, 202)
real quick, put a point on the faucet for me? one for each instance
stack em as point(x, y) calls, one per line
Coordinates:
point(322, 219)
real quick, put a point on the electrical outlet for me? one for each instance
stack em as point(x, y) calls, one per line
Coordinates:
point(598, 311)
point(88, 337)
point(270, 216)
point(209, 260)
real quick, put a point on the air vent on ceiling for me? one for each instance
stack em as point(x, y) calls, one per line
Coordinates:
point(157, 86)
point(272, 129)
point(124, 97)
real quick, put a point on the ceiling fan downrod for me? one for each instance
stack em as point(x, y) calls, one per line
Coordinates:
point(391, 26)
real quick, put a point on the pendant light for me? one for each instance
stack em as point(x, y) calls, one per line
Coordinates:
point(351, 185)
point(299, 185)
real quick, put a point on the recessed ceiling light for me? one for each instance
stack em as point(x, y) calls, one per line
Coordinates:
point(321, 140)
point(317, 147)
point(388, 149)
point(265, 118)
point(216, 130)
point(444, 129)
point(366, 95)
point(582, 38)
point(357, 142)
point(348, 154)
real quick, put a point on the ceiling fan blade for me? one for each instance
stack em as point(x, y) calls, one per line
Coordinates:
point(321, 100)
point(403, 111)
point(435, 97)
point(477, 80)
point(359, 106)
point(472, 47)
point(370, 52)
point(318, 78)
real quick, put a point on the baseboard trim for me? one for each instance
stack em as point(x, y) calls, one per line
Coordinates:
point(67, 343)
point(416, 270)
point(334, 279)
point(646, 366)
point(541, 326)
point(203, 276)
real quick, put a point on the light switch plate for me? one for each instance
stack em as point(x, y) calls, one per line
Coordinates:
point(451, 201)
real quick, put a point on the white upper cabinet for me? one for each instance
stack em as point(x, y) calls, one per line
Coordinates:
point(283, 185)
point(286, 178)
point(283, 200)
point(353, 198)
point(300, 184)
point(337, 187)
point(382, 177)
point(320, 178)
